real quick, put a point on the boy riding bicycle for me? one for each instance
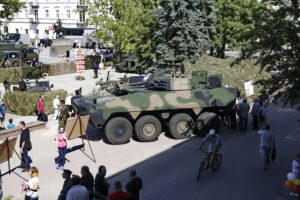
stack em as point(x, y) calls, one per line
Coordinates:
point(214, 144)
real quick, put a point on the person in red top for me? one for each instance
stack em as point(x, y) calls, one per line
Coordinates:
point(119, 194)
point(40, 108)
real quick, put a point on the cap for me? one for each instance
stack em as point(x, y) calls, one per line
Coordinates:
point(212, 131)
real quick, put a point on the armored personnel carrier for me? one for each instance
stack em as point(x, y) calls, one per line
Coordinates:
point(123, 111)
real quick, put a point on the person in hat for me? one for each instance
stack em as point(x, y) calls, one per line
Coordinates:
point(214, 141)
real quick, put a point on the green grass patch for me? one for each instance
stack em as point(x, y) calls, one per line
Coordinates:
point(24, 103)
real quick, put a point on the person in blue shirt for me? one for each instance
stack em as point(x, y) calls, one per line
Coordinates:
point(96, 68)
point(11, 124)
point(3, 108)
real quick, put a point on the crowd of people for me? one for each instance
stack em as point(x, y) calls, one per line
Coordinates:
point(86, 187)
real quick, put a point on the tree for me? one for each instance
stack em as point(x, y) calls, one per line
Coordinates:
point(234, 23)
point(128, 24)
point(9, 8)
point(279, 48)
point(182, 31)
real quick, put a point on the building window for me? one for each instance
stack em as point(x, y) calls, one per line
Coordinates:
point(57, 14)
point(68, 14)
point(17, 30)
point(26, 31)
point(47, 13)
point(36, 15)
point(26, 13)
point(82, 17)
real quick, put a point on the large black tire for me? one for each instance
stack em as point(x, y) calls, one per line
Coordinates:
point(118, 130)
point(147, 128)
point(140, 71)
point(178, 126)
point(207, 121)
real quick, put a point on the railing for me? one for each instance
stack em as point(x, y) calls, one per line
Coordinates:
point(33, 20)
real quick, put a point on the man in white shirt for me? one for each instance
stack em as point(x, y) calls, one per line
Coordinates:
point(96, 88)
point(56, 105)
point(77, 191)
point(69, 103)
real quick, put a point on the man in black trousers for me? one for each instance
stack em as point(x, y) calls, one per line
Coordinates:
point(25, 146)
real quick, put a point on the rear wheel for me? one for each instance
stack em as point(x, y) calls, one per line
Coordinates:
point(118, 130)
point(178, 126)
point(147, 128)
point(207, 121)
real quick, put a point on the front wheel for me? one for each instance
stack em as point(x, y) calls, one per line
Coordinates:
point(201, 168)
point(216, 162)
point(207, 121)
point(118, 130)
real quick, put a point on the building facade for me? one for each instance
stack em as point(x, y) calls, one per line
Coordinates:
point(39, 16)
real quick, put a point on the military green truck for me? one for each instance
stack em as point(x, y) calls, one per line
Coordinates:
point(164, 100)
point(22, 52)
point(129, 64)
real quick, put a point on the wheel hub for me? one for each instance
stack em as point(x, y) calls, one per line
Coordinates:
point(120, 130)
point(182, 127)
point(149, 129)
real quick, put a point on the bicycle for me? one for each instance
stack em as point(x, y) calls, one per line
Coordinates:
point(207, 162)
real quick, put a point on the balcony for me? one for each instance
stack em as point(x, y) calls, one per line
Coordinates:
point(34, 21)
point(80, 23)
point(34, 5)
point(81, 5)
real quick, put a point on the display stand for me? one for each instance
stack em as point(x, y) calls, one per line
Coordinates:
point(6, 151)
point(78, 129)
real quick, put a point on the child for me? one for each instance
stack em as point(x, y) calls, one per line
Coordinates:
point(11, 125)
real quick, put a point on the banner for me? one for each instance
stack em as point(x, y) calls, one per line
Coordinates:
point(249, 88)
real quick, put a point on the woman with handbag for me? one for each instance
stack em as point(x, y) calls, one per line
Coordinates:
point(62, 143)
point(32, 186)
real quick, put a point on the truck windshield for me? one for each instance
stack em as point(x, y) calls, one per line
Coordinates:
point(32, 50)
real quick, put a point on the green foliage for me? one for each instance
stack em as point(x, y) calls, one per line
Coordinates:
point(235, 76)
point(79, 78)
point(9, 73)
point(8, 197)
point(10, 7)
point(279, 49)
point(90, 61)
point(182, 30)
point(127, 24)
point(36, 72)
point(23, 103)
point(234, 24)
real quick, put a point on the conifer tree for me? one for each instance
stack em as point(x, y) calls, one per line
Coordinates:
point(182, 31)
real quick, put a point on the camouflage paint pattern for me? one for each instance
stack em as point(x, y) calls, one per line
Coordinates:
point(102, 106)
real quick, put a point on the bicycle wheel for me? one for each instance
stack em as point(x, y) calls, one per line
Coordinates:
point(216, 163)
point(201, 168)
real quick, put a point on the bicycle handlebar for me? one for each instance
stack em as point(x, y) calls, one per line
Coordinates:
point(203, 150)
